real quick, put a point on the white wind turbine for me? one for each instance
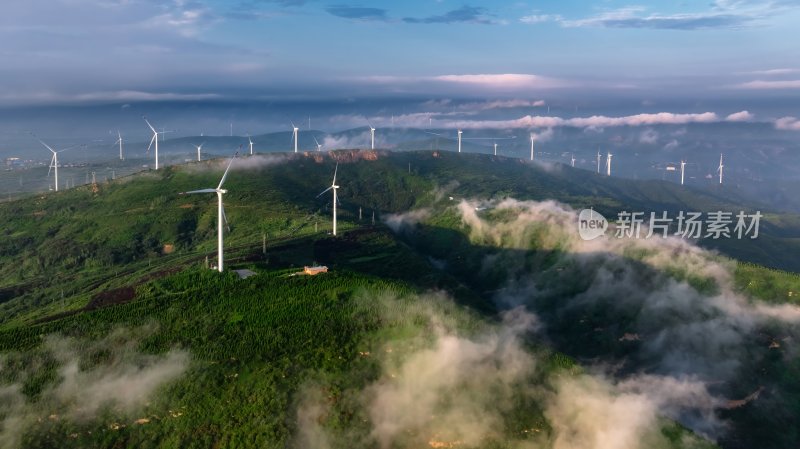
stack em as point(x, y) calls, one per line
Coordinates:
point(598, 162)
point(319, 145)
point(683, 169)
point(221, 218)
point(371, 135)
point(719, 169)
point(531, 146)
point(295, 136)
point(495, 148)
point(119, 142)
point(608, 163)
point(333, 187)
point(251, 144)
point(154, 139)
point(459, 139)
point(53, 161)
point(572, 159)
point(199, 147)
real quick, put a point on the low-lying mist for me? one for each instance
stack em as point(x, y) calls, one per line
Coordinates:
point(81, 381)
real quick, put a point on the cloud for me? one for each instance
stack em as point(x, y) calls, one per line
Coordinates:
point(441, 387)
point(465, 14)
point(122, 383)
point(108, 96)
point(358, 13)
point(541, 18)
point(648, 136)
point(771, 84)
point(742, 116)
point(504, 81)
point(401, 221)
point(774, 72)
point(788, 124)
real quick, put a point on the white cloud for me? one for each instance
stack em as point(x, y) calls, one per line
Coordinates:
point(540, 18)
point(504, 80)
point(765, 85)
point(741, 116)
point(788, 124)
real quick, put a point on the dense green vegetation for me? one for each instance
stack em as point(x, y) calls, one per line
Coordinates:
point(81, 265)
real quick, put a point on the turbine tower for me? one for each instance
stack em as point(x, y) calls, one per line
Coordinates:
point(199, 147)
point(119, 142)
point(459, 139)
point(531, 146)
point(573, 159)
point(154, 139)
point(598, 162)
point(683, 169)
point(720, 168)
point(251, 144)
point(495, 148)
point(608, 164)
point(220, 211)
point(295, 136)
point(53, 161)
point(333, 187)
point(372, 135)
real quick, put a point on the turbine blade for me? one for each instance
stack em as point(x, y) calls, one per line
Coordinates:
point(334, 173)
point(151, 143)
point(151, 126)
point(316, 141)
point(42, 142)
point(324, 191)
point(199, 191)
point(225, 218)
point(52, 164)
point(225, 175)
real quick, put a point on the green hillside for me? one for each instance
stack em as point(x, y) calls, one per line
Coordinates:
point(100, 287)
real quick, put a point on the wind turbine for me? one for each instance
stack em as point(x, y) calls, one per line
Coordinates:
point(459, 139)
point(720, 168)
point(199, 147)
point(372, 135)
point(531, 146)
point(573, 159)
point(333, 187)
point(251, 144)
point(683, 169)
point(154, 139)
point(53, 161)
point(598, 161)
point(119, 142)
point(220, 211)
point(319, 145)
point(495, 148)
point(295, 136)
point(608, 164)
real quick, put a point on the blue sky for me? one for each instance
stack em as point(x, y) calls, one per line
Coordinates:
point(85, 51)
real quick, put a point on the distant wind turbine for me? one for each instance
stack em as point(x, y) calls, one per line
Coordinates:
point(220, 211)
point(719, 169)
point(598, 161)
point(319, 145)
point(608, 163)
point(154, 139)
point(459, 139)
point(333, 187)
point(573, 159)
point(295, 136)
point(199, 147)
point(119, 142)
point(495, 148)
point(372, 135)
point(683, 169)
point(53, 161)
point(531, 146)
point(251, 144)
